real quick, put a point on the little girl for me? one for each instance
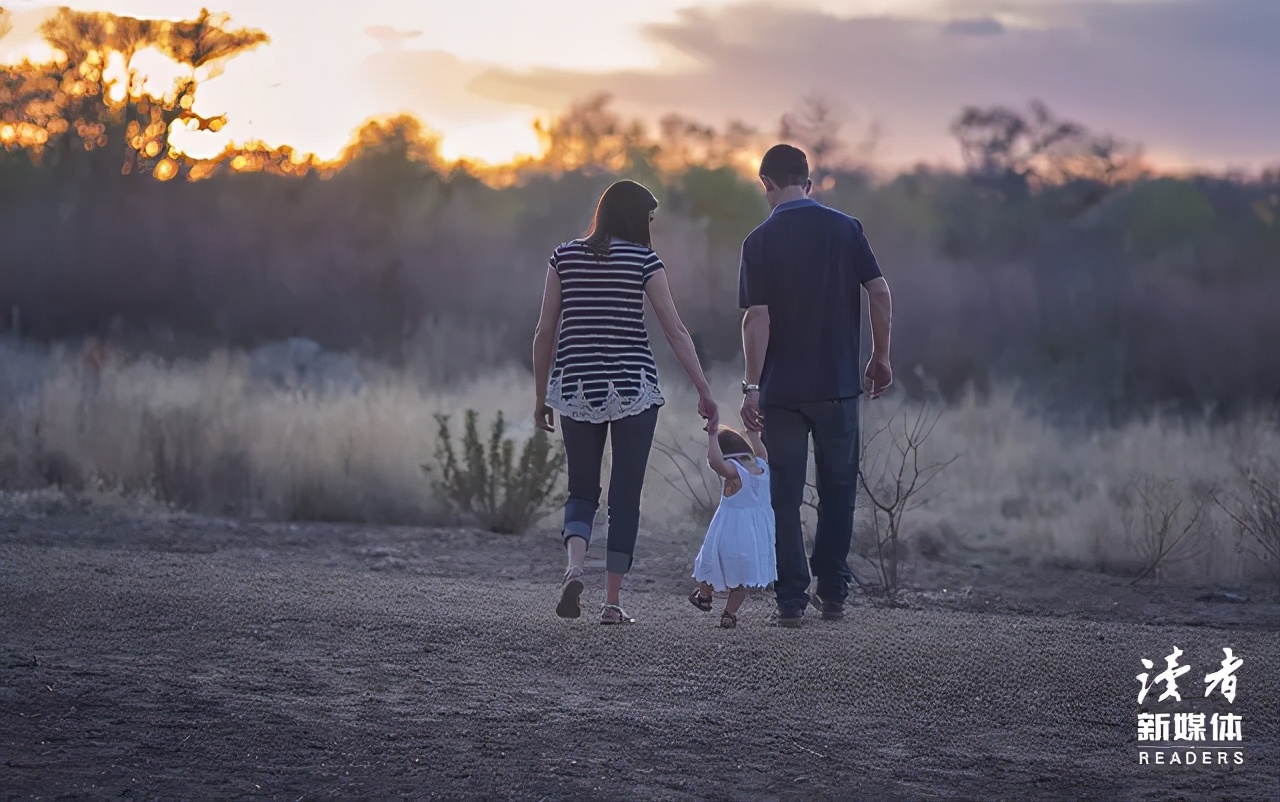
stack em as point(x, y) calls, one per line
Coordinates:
point(737, 553)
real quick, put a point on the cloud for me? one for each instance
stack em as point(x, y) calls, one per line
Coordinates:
point(980, 26)
point(390, 38)
point(436, 85)
point(1193, 79)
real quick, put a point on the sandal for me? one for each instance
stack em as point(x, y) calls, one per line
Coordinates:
point(703, 603)
point(728, 620)
point(613, 614)
point(570, 592)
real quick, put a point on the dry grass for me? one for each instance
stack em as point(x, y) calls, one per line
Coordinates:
point(207, 437)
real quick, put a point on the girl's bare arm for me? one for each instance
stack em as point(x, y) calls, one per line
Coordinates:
point(715, 458)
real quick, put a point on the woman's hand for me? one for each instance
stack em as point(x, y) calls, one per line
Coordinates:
point(709, 411)
point(544, 416)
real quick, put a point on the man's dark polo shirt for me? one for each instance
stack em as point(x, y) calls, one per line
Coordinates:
point(807, 263)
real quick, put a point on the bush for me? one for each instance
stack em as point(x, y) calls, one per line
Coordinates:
point(487, 485)
point(1256, 512)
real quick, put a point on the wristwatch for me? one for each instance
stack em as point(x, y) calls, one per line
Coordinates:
point(749, 388)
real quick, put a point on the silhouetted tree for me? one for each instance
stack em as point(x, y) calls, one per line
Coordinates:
point(1016, 152)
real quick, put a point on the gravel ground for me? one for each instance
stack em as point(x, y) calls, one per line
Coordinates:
point(173, 657)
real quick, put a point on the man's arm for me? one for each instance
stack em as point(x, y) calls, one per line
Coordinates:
point(753, 296)
point(879, 370)
point(755, 343)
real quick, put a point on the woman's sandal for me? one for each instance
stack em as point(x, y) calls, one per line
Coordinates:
point(613, 614)
point(700, 601)
point(570, 592)
point(728, 620)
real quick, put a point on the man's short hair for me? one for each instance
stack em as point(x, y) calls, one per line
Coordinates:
point(785, 166)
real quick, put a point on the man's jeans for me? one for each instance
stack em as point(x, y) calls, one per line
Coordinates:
point(834, 427)
point(632, 437)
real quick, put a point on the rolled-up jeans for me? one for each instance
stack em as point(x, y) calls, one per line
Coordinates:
point(631, 439)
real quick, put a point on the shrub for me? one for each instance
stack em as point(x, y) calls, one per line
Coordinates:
point(1255, 509)
point(486, 484)
point(893, 481)
point(1162, 523)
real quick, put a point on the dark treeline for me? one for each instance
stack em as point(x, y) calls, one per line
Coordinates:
point(1054, 258)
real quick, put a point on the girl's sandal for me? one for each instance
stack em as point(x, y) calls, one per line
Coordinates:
point(570, 592)
point(728, 620)
point(700, 601)
point(613, 614)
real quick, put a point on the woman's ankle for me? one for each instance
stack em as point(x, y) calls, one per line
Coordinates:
point(613, 586)
point(575, 552)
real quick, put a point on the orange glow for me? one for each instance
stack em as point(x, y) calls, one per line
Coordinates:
point(165, 170)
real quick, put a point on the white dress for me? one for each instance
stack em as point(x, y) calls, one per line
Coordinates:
point(738, 549)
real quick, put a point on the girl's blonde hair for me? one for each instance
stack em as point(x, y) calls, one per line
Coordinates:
point(733, 444)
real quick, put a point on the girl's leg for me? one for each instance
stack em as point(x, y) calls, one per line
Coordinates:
point(736, 597)
point(632, 437)
point(584, 451)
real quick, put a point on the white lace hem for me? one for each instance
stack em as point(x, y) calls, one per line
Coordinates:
point(614, 407)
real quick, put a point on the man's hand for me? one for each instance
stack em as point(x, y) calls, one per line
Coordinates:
point(879, 375)
point(752, 417)
point(544, 416)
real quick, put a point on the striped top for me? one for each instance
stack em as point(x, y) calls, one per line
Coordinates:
point(604, 368)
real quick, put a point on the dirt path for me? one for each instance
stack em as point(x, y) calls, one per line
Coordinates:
point(195, 659)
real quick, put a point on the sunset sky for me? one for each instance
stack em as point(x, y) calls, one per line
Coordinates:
point(1193, 81)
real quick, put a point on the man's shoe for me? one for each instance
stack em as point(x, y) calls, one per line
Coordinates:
point(830, 610)
point(790, 615)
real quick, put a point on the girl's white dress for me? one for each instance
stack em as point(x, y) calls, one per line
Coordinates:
point(738, 549)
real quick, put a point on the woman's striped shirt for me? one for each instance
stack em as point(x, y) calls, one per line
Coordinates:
point(604, 368)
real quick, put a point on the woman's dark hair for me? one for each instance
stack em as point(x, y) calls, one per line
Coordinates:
point(732, 442)
point(623, 212)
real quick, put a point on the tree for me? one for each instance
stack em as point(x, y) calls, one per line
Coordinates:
point(100, 108)
point(686, 143)
point(815, 128)
point(592, 138)
point(206, 41)
point(1008, 147)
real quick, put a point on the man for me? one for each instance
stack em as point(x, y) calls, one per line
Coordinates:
point(801, 275)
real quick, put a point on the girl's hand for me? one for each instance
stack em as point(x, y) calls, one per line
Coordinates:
point(544, 416)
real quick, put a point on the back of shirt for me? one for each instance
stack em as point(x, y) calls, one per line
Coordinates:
point(807, 263)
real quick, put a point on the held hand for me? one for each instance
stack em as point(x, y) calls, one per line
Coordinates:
point(752, 417)
point(709, 412)
point(544, 416)
point(879, 375)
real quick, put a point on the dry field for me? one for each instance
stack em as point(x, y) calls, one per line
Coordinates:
point(175, 624)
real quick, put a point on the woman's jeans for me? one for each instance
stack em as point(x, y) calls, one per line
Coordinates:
point(632, 438)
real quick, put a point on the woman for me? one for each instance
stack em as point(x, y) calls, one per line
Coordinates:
point(592, 363)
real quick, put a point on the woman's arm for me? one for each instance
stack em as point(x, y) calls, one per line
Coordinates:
point(715, 457)
point(544, 349)
point(659, 293)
